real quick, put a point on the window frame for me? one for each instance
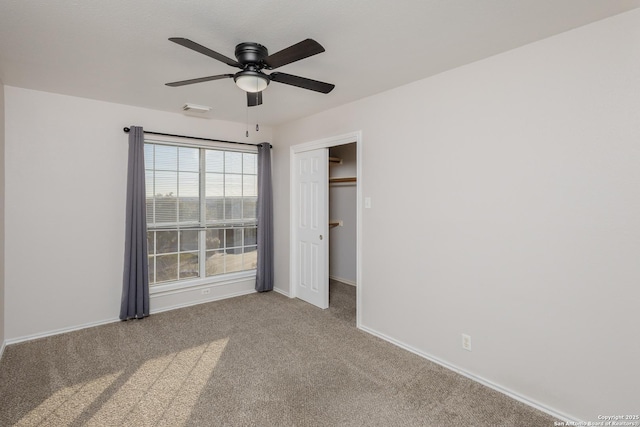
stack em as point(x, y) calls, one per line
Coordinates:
point(189, 284)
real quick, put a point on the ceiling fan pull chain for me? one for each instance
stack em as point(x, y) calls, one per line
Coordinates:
point(257, 126)
point(247, 133)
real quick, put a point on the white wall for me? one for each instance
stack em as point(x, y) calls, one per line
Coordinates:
point(505, 205)
point(342, 206)
point(66, 162)
point(2, 191)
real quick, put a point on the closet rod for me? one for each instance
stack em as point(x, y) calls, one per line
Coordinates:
point(345, 179)
point(126, 130)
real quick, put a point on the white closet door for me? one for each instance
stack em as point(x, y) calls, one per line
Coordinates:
point(312, 182)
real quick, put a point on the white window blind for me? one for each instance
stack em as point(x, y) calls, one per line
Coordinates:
point(201, 211)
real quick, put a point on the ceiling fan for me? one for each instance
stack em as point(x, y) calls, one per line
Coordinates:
point(252, 59)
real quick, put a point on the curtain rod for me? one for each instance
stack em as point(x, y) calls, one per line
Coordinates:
point(126, 130)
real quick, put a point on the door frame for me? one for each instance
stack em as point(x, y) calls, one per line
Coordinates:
point(329, 142)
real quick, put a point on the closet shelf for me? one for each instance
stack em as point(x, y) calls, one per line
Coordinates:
point(336, 223)
point(345, 179)
point(335, 160)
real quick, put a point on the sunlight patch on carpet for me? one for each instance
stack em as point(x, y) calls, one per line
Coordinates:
point(163, 391)
point(65, 405)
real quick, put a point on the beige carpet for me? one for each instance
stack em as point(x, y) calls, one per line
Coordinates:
point(255, 360)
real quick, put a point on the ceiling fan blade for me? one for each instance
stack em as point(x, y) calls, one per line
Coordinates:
point(254, 98)
point(298, 51)
point(205, 51)
point(199, 80)
point(302, 82)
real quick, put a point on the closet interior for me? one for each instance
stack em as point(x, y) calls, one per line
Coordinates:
point(343, 227)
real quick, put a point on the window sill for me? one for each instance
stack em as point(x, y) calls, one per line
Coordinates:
point(195, 284)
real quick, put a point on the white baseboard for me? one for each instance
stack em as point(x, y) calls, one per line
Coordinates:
point(345, 281)
point(280, 291)
point(60, 331)
point(537, 405)
point(4, 344)
point(106, 321)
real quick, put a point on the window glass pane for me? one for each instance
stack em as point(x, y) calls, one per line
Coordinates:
point(214, 192)
point(214, 161)
point(233, 208)
point(166, 210)
point(234, 237)
point(250, 236)
point(150, 210)
point(148, 156)
point(166, 158)
point(233, 260)
point(215, 239)
point(249, 185)
point(189, 184)
point(189, 159)
point(215, 263)
point(148, 178)
point(249, 163)
point(189, 209)
point(166, 268)
point(149, 183)
point(189, 266)
point(189, 240)
point(166, 184)
point(166, 242)
point(152, 273)
point(214, 185)
point(232, 162)
point(215, 209)
point(189, 200)
point(232, 185)
point(249, 207)
point(250, 258)
point(166, 188)
point(151, 247)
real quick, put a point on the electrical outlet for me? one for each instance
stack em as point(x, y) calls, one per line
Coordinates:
point(206, 291)
point(466, 342)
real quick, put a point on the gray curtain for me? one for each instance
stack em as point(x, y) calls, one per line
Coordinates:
point(135, 284)
point(264, 273)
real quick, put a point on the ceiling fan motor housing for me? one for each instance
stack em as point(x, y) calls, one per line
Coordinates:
point(251, 53)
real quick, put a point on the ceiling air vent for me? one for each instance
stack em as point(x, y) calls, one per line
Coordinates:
point(193, 108)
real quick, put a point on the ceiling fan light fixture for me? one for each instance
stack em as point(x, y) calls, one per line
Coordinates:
point(251, 81)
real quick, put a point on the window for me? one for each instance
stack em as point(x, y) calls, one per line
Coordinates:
point(201, 211)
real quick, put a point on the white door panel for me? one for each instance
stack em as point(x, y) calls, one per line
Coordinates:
point(312, 178)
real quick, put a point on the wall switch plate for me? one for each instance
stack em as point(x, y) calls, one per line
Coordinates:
point(367, 202)
point(466, 342)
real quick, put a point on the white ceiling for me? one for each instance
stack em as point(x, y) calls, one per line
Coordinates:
point(117, 50)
